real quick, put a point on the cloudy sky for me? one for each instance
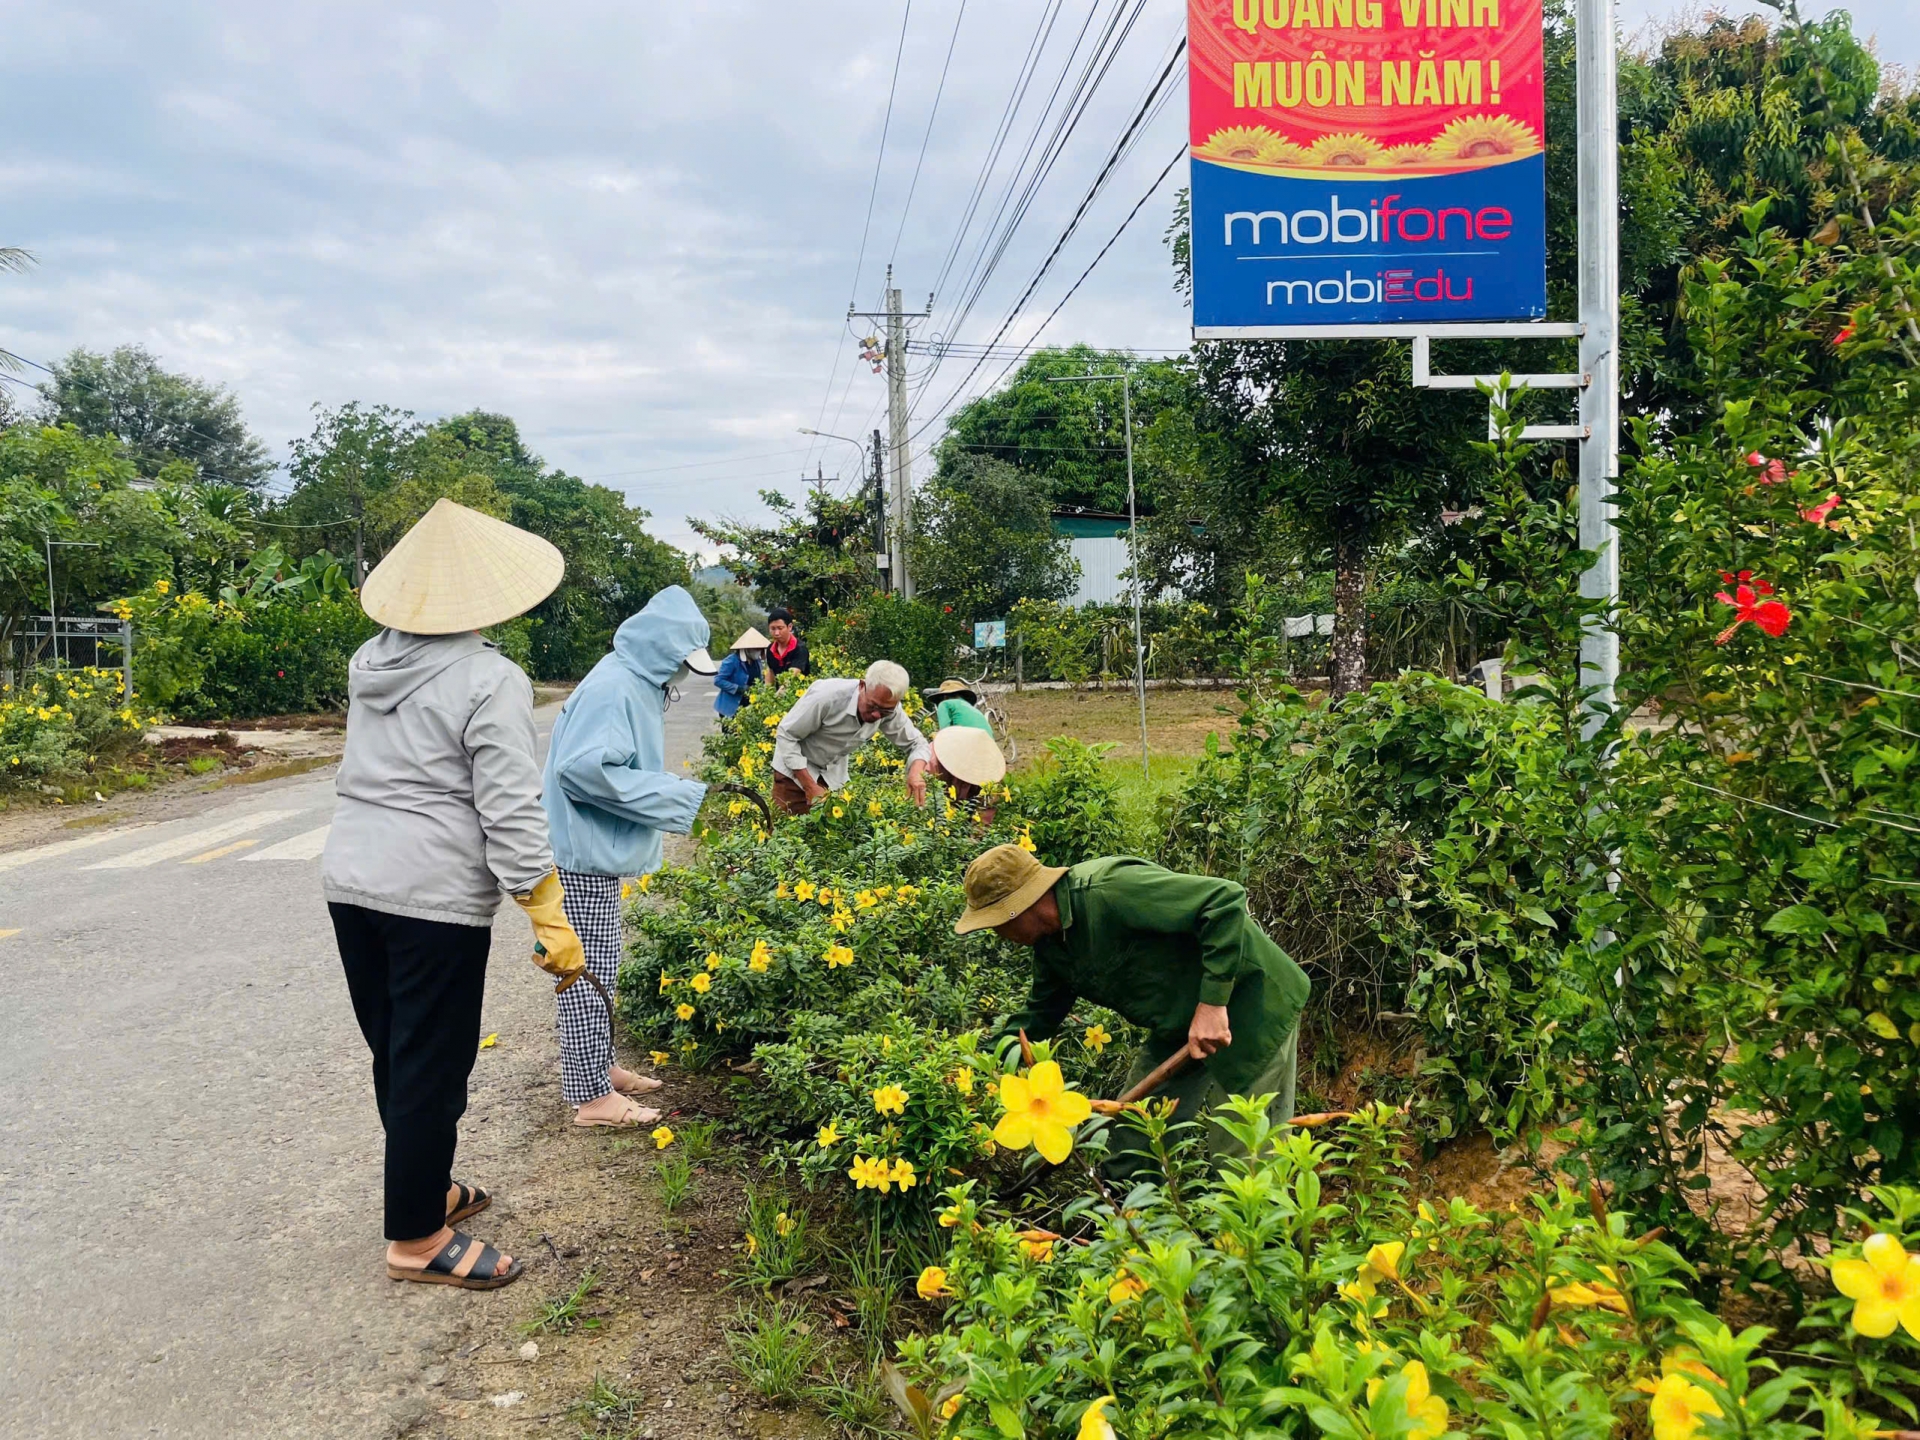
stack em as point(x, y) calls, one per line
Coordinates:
point(636, 228)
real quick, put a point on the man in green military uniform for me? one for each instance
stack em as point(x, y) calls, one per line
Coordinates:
point(1176, 954)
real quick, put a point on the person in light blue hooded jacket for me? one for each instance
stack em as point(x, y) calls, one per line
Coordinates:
point(609, 800)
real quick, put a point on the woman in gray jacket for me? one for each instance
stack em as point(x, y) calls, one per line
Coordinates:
point(439, 813)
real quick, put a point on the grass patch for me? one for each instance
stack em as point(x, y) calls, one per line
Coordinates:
point(204, 764)
point(566, 1313)
point(774, 1349)
point(674, 1175)
point(610, 1410)
point(1178, 721)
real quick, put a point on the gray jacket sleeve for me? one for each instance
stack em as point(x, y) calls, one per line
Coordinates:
point(800, 721)
point(506, 780)
point(903, 732)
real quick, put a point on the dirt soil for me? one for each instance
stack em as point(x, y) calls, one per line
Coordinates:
point(1178, 720)
point(653, 1329)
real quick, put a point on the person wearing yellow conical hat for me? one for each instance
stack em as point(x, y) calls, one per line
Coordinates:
point(968, 762)
point(437, 815)
point(738, 673)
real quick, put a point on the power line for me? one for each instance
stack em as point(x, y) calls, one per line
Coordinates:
point(1103, 57)
point(932, 115)
point(840, 343)
point(1155, 97)
point(885, 124)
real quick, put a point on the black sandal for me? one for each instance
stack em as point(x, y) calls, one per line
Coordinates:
point(472, 1201)
point(486, 1273)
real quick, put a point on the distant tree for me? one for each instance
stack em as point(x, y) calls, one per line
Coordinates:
point(983, 539)
point(157, 415)
point(60, 485)
point(1071, 437)
point(15, 259)
point(355, 454)
point(811, 560)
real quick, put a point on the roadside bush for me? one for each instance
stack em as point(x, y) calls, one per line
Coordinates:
point(62, 722)
point(822, 954)
point(1075, 802)
point(920, 635)
point(1298, 1292)
point(1411, 848)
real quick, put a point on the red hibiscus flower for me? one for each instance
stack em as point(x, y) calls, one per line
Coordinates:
point(1776, 471)
point(1817, 514)
point(1842, 338)
point(1750, 603)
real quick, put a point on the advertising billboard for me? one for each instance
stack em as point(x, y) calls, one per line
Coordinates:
point(1366, 162)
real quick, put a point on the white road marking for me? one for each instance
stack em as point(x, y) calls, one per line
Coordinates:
point(305, 846)
point(13, 859)
point(191, 842)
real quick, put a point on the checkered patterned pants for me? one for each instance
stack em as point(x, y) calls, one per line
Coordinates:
point(592, 903)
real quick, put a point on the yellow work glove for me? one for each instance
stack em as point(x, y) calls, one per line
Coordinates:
point(557, 950)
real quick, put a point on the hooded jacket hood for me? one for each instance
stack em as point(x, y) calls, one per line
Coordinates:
point(392, 665)
point(653, 643)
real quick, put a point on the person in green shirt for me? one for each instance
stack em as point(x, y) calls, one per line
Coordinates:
point(1175, 954)
point(956, 703)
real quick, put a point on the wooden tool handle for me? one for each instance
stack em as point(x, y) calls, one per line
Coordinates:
point(1165, 1071)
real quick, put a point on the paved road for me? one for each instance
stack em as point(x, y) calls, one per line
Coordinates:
point(189, 1155)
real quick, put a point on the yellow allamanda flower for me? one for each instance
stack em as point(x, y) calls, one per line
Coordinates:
point(761, 958)
point(804, 891)
point(841, 921)
point(882, 892)
point(963, 1080)
point(662, 1138)
point(907, 894)
point(1884, 1285)
point(1037, 1245)
point(903, 1175)
point(1040, 1111)
point(827, 1136)
point(1025, 842)
point(666, 982)
point(932, 1283)
point(890, 1100)
point(646, 882)
point(1093, 1421)
point(783, 1225)
point(659, 1057)
point(874, 807)
point(1127, 1288)
point(1384, 1259)
point(1426, 1409)
point(701, 982)
point(870, 1174)
point(837, 955)
point(783, 891)
point(865, 900)
point(713, 960)
point(1677, 1403)
point(950, 1217)
point(1097, 1038)
point(753, 1245)
point(838, 811)
point(1598, 1294)
point(950, 1407)
point(683, 1010)
point(746, 766)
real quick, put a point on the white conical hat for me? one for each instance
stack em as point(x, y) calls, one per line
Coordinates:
point(969, 755)
point(752, 640)
point(457, 569)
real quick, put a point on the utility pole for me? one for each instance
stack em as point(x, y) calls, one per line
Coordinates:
point(1596, 78)
point(1133, 550)
point(900, 496)
point(877, 498)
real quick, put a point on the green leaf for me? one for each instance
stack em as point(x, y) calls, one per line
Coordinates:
point(1882, 1025)
point(1798, 920)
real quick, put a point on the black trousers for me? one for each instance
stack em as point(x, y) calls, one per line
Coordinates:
point(416, 987)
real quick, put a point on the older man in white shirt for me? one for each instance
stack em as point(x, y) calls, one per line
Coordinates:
point(832, 720)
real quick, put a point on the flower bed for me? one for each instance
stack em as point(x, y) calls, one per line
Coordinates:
point(58, 725)
point(1298, 1292)
point(824, 953)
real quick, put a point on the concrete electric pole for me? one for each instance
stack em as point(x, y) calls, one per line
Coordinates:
point(900, 472)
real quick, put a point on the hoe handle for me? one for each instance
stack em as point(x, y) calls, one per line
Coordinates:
point(1163, 1072)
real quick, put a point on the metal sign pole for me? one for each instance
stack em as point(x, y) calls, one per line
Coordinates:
point(1596, 85)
